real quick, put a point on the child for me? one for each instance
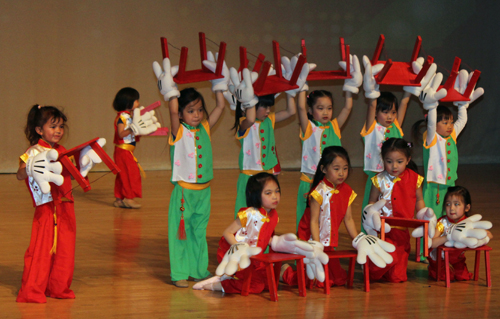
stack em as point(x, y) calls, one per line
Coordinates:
point(400, 186)
point(192, 171)
point(330, 204)
point(457, 205)
point(318, 130)
point(50, 258)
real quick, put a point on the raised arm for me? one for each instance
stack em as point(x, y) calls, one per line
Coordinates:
point(290, 110)
point(175, 122)
point(249, 119)
point(370, 113)
point(219, 108)
point(302, 111)
point(430, 100)
point(403, 106)
point(351, 86)
point(461, 85)
point(346, 110)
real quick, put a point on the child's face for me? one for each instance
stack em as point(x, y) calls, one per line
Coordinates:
point(271, 195)
point(395, 163)
point(387, 117)
point(52, 131)
point(262, 112)
point(193, 113)
point(337, 171)
point(455, 208)
point(322, 111)
point(445, 127)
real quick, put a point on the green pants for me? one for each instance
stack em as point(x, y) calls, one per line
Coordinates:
point(431, 190)
point(366, 198)
point(241, 198)
point(189, 257)
point(304, 189)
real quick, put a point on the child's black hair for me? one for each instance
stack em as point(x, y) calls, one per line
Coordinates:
point(399, 145)
point(37, 117)
point(264, 101)
point(385, 102)
point(125, 98)
point(442, 113)
point(329, 154)
point(255, 187)
point(312, 98)
point(189, 95)
point(461, 192)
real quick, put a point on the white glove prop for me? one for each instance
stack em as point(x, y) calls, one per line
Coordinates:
point(144, 124)
point(461, 83)
point(371, 218)
point(289, 67)
point(231, 99)
point(372, 89)
point(468, 232)
point(238, 255)
point(314, 266)
point(429, 96)
point(373, 247)
point(416, 67)
point(168, 88)
point(243, 90)
point(352, 85)
point(43, 168)
point(426, 213)
point(211, 64)
point(288, 243)
point(88, 157)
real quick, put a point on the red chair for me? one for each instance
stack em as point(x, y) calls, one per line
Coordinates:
point(410, 223)
point(478, 250)
point(273, 268)
point(351, 254)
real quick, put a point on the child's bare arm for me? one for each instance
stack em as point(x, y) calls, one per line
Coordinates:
point(315, 208)
point(173, 107)
point(346, 110)
point(219, 108)
point(291, 109)
point(302, 111)
point(21, 172)
point(349, 223)
point(231, 230)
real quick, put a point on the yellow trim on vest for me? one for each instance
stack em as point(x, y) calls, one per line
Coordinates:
point(440, 228)
point(336, 128)
point(243, 218)
point(317, 197)
point(206, 125)
point(398, 126)
point(420, 181)
point(246, 131)
point(352, 197)
point(434, 140)
point(251, 173)
point(127, 147)
point(305, 178)
point(23, 158)
point(308, 133)
point(375, 182)
point(193, 186)
point(364, 132)
point(180, 131)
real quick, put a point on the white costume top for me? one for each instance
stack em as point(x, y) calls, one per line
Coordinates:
point(312, 141)
point(374, 137)
point(251, 145)
point(437, 167)
point(252, 221)
point(127, 120)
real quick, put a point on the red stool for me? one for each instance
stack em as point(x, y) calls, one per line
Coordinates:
point(351, 254)
point(478, 250)
point(273, 268)
point(410, 223)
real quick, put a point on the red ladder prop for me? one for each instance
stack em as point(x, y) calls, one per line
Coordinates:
point(453, 95)
point(410, 223)
point(200, 75)
point(75, 171)
point(334, 74)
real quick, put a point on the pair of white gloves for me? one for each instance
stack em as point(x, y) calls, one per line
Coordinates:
point(44, 167)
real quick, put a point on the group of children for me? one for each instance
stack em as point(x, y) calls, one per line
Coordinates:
point(394, 187)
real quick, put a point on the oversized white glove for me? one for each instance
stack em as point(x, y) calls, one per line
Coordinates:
point(352, 85)
point(243, 90)
point(426, 213)
point(230, 98)
point(168, 88)
point(429, 96)
point(144, 124)
point(371, 218)
point(314, 266)
point(289, 67)
point(372, 89)
point(461, 83)
point(416, 67)
point(238, 255)
point(211, 64)
point(469, 232)
point(43, 168)
point(373, 247)
point(88, 157)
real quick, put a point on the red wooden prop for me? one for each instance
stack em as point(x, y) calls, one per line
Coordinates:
point(410, 223)
point(352, 255)
point(400, 73)
point(75, 171)
point(333, 74)
point(199, 75)
point(162, 131)
point(452, 94)
point(244, 60)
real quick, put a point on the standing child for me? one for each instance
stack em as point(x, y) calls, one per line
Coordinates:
point(318, 130)
point(127, 130)
point(457, 205)
point(192, 171)
point(399, 187)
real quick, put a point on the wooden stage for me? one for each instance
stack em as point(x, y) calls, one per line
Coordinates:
point(122, 265)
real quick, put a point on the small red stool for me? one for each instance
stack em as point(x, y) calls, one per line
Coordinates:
point(478, 250)
point(273, 268)
point(351, 254)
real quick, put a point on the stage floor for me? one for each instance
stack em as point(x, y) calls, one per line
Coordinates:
point(122, 265)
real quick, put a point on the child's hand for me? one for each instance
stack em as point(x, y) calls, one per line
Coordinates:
point(314, 266)
point(373, 247)
point(426, 213)
point(88, 157)
point(238, 255)
point(144, 124)
point(468, 233)
point(352, 85)
point(371, 218)
point(372, 89)
point(417, 66)
point(165, 78)
point(244, 90)
point(44, 169)
point(211, 64)
point(429, 97)
point(461, 83)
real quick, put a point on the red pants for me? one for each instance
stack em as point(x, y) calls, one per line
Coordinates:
point(128, 181)
point(257, 284)
point(338, 276)
point(458, 267)
point(47, 274)
point(396, 271)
